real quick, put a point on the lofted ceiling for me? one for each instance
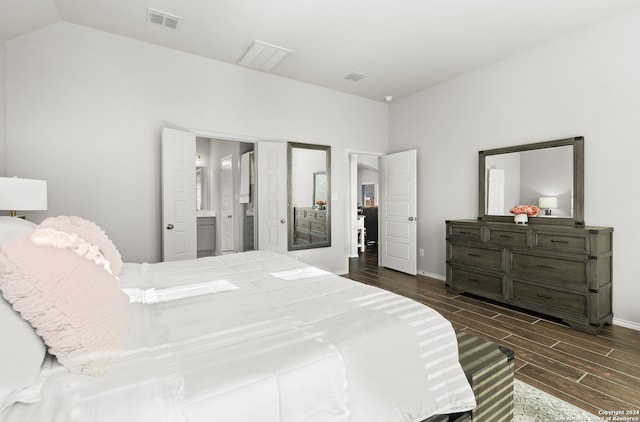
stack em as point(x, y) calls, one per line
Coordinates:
point(403, 46)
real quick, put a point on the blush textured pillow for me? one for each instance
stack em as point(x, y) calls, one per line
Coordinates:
point(90, 232)
point(74, 304)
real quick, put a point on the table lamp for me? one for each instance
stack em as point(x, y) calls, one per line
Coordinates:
point(17, 194)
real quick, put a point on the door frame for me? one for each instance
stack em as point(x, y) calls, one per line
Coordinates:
point(351, 217)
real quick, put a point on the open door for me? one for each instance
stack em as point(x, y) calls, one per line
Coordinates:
point(398, 227)
point(272, 196)
point(178, 170)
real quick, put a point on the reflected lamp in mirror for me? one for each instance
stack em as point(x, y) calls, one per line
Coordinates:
point(547, 203)
point(17, 194)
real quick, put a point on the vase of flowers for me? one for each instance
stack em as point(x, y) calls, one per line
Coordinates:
point(521, 213)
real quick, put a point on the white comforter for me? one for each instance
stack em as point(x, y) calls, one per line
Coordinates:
point(275, 340)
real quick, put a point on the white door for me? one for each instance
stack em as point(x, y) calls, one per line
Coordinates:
point(272, 196)
point(397, 240)
point(178, 152)
point(226, 201)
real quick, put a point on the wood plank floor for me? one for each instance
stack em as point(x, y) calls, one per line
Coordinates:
point(596, 373)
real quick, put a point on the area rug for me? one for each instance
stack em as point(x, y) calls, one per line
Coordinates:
point(533, 405)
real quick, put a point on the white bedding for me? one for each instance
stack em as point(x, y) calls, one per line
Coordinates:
point(288, 343)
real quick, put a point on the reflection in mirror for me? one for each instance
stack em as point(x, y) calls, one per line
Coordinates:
point(522, 178)
point(320, 188)
point(309, 189)
point(547, 174)
point(201, 188)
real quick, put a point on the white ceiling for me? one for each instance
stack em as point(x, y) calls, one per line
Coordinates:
point(404, 46)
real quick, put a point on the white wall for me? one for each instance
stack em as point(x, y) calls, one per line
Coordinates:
point(585, 84)
point(85, 108)
point(3, 127)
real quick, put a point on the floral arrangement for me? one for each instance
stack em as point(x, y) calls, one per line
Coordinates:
point(321, 203)
point(530, 210)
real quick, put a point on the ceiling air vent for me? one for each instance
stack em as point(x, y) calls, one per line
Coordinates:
point(354, 76)
point(162, 18)
point(263, 56)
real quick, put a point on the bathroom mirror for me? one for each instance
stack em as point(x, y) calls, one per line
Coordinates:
point(547, 174)
point(309, 191)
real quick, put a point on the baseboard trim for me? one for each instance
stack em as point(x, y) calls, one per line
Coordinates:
point(432, 275)
point(626, 324)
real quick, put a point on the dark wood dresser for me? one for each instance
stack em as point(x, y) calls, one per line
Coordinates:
point(562, 271)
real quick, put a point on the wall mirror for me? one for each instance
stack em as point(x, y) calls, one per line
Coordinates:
point(547, 174)
point(309, 190)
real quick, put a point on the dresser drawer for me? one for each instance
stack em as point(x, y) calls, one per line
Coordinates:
point(488, 258)
point(303, 224)
point(508, 237)
point(559, 300)
point(303, 236)
point(559, 269)
point(472, 281)
point(318, 237)
point(318, 227)
point(465, 233)
point(561, 242)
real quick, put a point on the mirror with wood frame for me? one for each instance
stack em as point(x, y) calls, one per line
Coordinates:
point(309, 191)
point(549, 175)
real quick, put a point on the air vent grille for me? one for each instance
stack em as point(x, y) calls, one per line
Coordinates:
point(354, 76)
point(263, 56)
point(162, 18)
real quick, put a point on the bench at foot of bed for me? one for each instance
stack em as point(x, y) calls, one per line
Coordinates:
point(489, 369)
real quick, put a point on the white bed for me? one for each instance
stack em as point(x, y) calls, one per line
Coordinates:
point(258, 336)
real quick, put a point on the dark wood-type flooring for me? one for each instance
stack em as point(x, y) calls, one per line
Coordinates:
point(595, 373)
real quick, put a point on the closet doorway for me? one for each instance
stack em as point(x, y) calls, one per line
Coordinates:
point(195, 201)
point(230, 191)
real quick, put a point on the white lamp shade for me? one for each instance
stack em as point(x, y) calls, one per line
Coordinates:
point(18, 194)
point(548, 202)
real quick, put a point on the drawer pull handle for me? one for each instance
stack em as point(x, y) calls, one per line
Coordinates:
point(544, 296)
point(564, 242)
point(504, 236)
point(465, 232)
point(545, 267)
point(475, 255)
point(475, 280)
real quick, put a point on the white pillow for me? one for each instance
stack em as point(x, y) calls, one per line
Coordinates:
point(21, 354)
point(22, 351)
point(13, 227)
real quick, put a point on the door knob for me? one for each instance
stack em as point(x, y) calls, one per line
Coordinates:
point(411, 218)
point(169, 226)
point(283, 221)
